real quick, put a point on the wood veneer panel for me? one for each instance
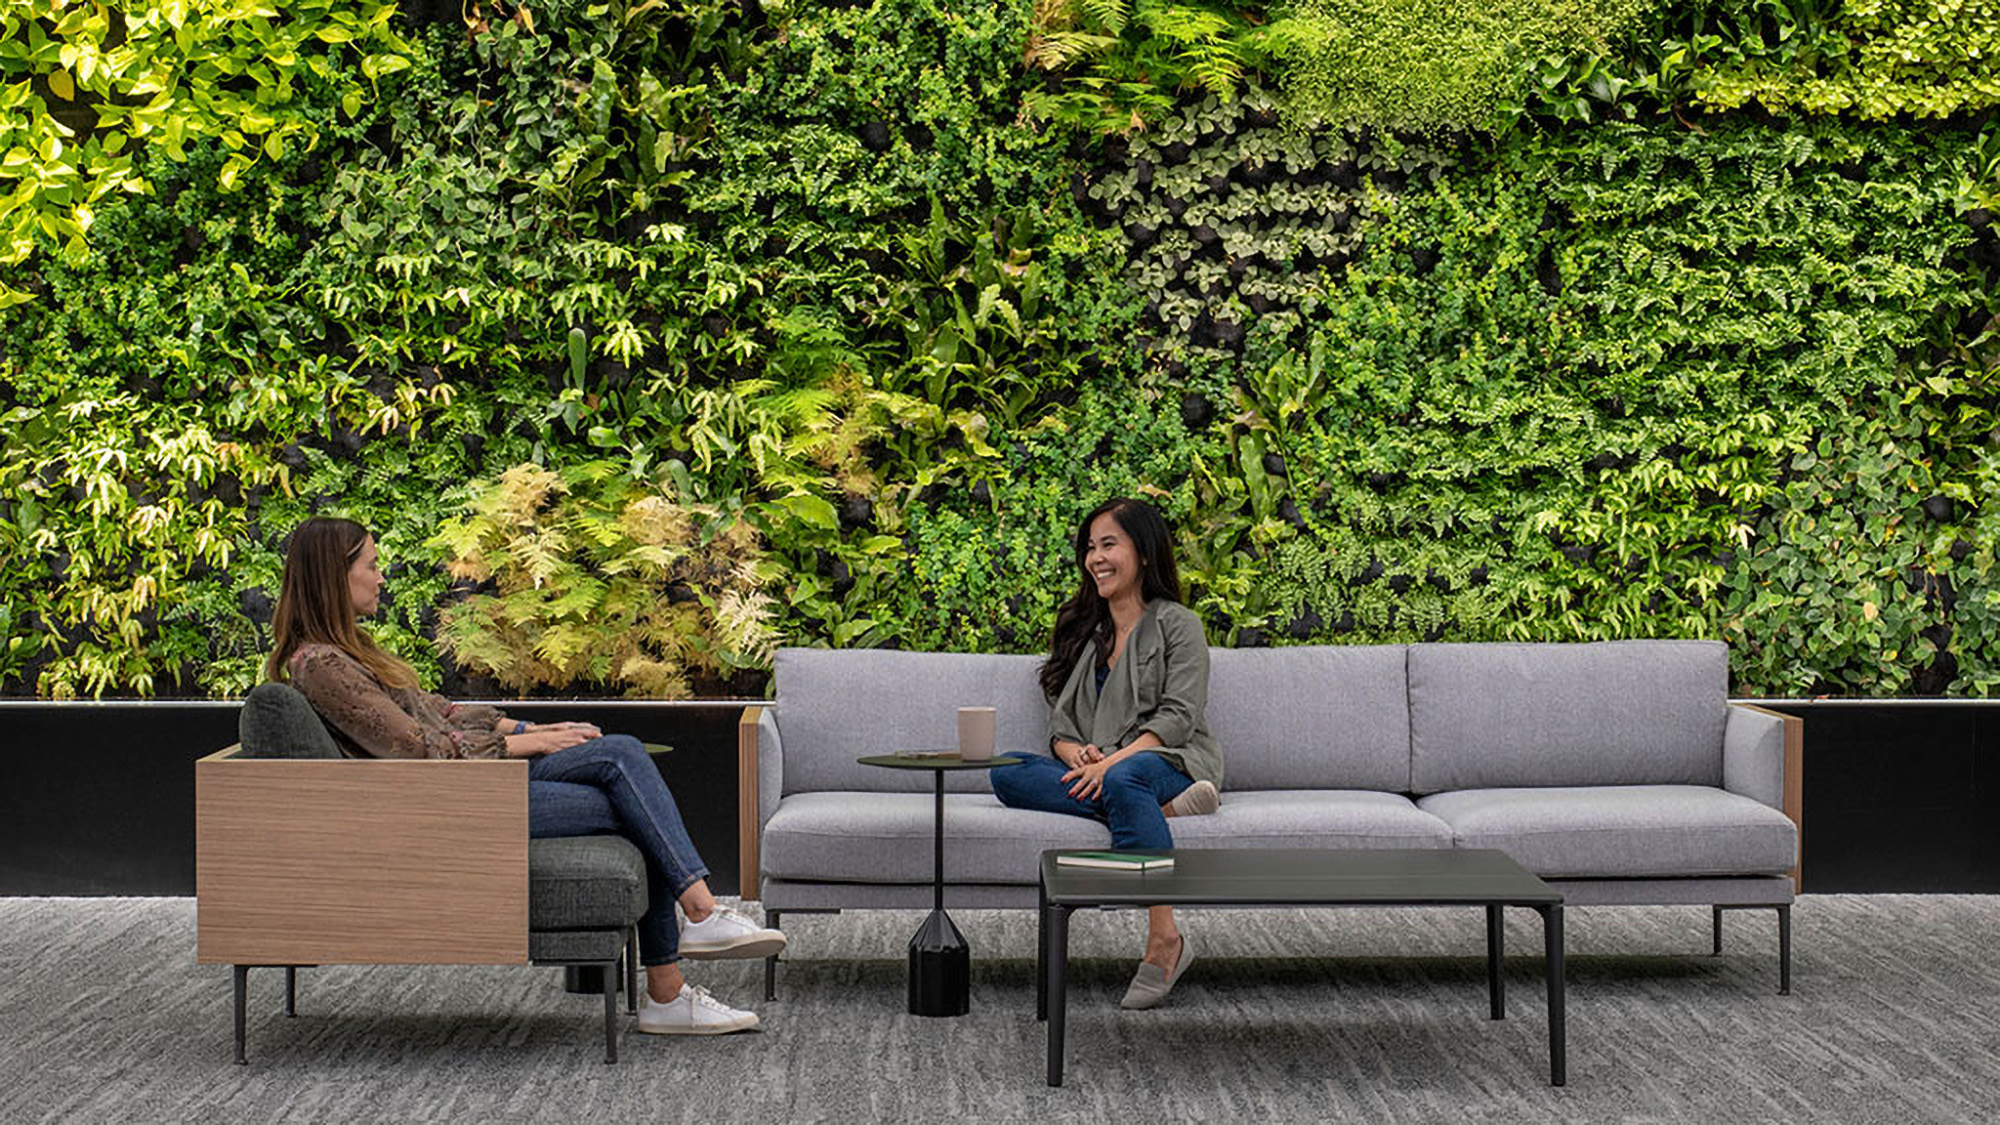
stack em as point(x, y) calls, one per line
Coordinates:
point(1795, 779)
point(749, 827)
point(361, 862)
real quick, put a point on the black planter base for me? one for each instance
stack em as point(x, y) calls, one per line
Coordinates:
point(940, 969)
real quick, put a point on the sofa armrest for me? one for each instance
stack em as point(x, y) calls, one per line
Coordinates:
point(360, 862)
point(760, 778)
point(1763, 758)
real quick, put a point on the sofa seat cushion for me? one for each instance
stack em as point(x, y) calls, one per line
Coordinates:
point(585, 883)
point(859, 837)
point(1622, 831)
point(1312, 818)
point(886, 837)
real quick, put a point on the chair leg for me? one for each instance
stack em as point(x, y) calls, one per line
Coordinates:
point(1717, 951)
point(1784, 951)
point(771, 918)
point(241, 975)
point(632, 973)
point(610, 1011)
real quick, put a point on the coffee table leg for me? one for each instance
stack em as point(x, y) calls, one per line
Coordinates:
point(1496, 950)
point(1058, 926)
point(1041, 949)
point(1552, 940)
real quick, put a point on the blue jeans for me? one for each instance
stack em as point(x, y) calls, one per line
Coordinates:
point(609, 787)
point(1134, 790)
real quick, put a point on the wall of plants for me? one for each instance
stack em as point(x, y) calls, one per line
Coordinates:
point(649, 334)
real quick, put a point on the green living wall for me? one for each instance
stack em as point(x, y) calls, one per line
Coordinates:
point(649, 335)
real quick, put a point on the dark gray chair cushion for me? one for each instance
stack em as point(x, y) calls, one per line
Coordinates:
point(585, 883)
point(277, 722)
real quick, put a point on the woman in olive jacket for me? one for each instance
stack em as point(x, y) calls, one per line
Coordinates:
point(1127, 674)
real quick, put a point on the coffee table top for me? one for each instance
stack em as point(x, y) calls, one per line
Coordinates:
point(1304, 877)
point(938, 760)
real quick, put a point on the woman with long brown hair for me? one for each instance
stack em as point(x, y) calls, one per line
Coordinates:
point(1127, 679)
point(581, 782)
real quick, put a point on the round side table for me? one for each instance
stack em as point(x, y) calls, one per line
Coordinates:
point(940, 961)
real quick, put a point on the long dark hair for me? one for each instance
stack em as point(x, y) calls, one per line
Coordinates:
point(1086, 617)
point(316, 607)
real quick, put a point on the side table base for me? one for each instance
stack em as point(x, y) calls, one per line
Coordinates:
point(940, 969)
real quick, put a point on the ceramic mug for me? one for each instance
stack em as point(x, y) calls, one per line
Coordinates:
point(975, 733)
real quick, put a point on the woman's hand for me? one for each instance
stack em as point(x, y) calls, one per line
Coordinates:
point(1075, 754)
point(589, 729)
point(548, 739)
point(1087, 779)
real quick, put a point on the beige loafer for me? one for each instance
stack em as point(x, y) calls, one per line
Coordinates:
point(1198, 799)
point(1151, 983)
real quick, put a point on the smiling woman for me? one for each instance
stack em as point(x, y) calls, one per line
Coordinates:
point(1128, 678)
point(581, 782)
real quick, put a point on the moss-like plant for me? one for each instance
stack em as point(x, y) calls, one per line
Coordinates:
point(589, 578)
point(1427, 66)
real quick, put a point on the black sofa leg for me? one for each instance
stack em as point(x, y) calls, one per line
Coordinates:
point(241, 975)
point(1784, 951)
point(771, 919)
point(291, 990)
point(1717, 951)
point(610, 970)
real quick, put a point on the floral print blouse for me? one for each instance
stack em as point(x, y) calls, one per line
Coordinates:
point(371, 720)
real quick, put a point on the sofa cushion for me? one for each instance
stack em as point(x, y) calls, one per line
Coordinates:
point(1486, 716)
point(1312, 818)
point(860, 837)
point(1622, 831)
point(585, 883)
point(1311, 717)
point(277, 722)
point(835, 706)
point(887, 837)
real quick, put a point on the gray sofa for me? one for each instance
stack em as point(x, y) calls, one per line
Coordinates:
point(1618, 771)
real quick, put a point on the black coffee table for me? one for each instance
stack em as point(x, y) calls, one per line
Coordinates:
point(1305, 877)
point(940, 961)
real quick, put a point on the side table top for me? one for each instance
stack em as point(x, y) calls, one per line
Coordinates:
point(938, 760)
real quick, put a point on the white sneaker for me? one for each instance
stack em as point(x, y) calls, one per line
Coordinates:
point(728, 933)
point(693, 1012)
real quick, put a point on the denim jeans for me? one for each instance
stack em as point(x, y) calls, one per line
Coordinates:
point(1134, 790)
point(609, 787)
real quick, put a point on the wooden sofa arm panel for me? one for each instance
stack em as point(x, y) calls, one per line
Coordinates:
point(1795, 768)
point(749, 828)
point(361, 862)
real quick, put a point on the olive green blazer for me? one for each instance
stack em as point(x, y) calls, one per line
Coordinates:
point(1159, 685)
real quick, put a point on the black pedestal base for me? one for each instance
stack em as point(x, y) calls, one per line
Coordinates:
point(940, 969)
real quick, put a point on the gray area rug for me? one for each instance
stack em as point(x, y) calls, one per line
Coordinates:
point(1365, 1015)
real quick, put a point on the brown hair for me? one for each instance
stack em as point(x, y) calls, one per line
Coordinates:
point(316, 607)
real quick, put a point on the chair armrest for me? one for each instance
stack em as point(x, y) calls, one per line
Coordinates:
point(361, 862)
point(760, 777)
point(1763, 758)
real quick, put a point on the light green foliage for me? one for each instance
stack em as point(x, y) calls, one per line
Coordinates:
point(83, 86)
point(1426, 66)
point(601, 581)
point(1125, 60)
point(1875, 59)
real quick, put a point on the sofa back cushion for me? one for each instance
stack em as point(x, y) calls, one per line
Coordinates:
point(834, 706)
point(1312, 717)
point(277, 722)
point(1604, 713)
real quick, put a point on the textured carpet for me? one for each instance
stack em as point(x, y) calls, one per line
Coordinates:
point(1367, 1015)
